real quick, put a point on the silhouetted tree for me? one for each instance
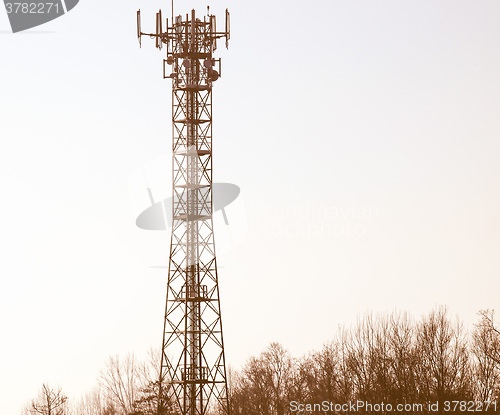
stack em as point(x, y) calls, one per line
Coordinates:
point(121, 382)
point(264, 385)
point(147, 398)
point(94, 403)
point(384, 358)
point(486, 349)
point(323, 377)
point(368, 359)
point(443, 367)
point(403, 358)
point(49, 402)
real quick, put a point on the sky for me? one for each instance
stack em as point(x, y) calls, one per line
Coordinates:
point(364, 137)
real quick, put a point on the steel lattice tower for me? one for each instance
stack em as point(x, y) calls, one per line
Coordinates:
point(193, 374)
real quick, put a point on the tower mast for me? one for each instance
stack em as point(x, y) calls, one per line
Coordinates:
point(193, 374)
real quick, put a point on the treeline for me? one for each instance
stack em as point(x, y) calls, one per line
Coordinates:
point(390, 359)
point(386, 359)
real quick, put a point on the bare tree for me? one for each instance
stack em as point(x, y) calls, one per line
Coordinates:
point(321, 376)
point(49, 402)
point(147, 399)
point(264, 384)
point(254, 385)
point(94, 403)
point(486, 349)
point(388, 358)
point(443, 364)
point(130, 387)
point(121, 381)
point(279, 367)
point(487, 324)
point(367, 358)
point(403, 358)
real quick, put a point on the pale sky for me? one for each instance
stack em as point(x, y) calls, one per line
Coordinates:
point(364, 136)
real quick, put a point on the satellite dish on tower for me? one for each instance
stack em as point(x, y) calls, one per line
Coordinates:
point(213, 75)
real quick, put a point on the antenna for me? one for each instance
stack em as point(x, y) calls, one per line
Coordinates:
point(159, 30)
point(139, 26)
point(213, 29)
point(228, 28)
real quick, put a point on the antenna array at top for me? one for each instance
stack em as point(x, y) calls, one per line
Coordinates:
point(171, 34)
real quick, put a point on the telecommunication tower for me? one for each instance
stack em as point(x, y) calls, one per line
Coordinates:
point(193, 374)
